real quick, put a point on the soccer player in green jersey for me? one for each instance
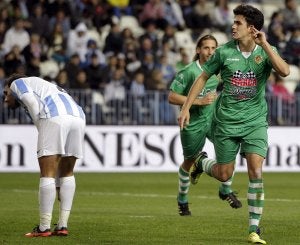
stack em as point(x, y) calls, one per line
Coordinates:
point(194, 135)
point(240, 116)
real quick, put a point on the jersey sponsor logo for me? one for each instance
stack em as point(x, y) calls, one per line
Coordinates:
point(243, 85)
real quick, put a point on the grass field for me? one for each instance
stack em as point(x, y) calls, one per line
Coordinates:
point(141, 208)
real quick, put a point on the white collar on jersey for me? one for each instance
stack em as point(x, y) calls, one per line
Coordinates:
point(198, 64)
point(246, 54)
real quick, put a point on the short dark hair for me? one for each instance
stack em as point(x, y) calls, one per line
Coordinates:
point(252, 15)
point(13, 77)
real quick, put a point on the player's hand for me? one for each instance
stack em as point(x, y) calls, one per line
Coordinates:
point(259, 37)
point(209, 98)
point(183, 118)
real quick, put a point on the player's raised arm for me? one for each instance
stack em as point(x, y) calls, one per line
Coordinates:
point(198, 85)
point(279, 65)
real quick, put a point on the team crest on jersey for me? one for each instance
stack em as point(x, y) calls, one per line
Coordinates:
point(258, 59)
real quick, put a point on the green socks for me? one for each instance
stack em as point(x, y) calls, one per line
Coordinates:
point(255, 203)
point(183, 185)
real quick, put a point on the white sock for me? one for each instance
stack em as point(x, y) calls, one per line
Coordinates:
point(47, 195)
point(67, 191)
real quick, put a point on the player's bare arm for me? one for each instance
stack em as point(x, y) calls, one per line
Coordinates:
point(178, 99)
point(280, 66)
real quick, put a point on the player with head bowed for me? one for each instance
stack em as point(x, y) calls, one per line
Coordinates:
point(194, 135)
point(60, 122)
point(240, 117)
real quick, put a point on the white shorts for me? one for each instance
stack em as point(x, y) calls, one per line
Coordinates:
point(62, 135)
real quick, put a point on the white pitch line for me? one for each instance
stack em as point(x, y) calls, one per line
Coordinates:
point(128, 194)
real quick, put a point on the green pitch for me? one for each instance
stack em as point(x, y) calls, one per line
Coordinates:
point(141, 209)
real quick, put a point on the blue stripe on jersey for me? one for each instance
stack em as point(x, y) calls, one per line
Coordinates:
point(21, 86)
point(82, 115)
point(66, 104)
point(51, 106)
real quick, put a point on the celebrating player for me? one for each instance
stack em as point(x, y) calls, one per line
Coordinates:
point(60, 123)
point(240, 117)
point(193, 136)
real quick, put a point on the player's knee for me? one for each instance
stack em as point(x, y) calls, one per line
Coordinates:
point(224, 173)
point(224, 177)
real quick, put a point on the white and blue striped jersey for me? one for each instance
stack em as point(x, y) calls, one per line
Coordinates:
point(48, 99)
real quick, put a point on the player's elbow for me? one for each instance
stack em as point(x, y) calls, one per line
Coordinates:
point(285, 72)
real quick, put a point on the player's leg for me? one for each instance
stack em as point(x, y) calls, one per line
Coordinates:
point(66, 193)
point(254, 147)
point(255, 196)
point(183, 187)
point(73, 150)
point(226, 149)
point(227, 194)
point(192, 140)
point(47, 192)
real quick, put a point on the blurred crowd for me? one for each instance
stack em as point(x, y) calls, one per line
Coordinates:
point(82, 44)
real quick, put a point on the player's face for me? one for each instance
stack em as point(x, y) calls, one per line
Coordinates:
point(207, 48)
point(9, 99)
point(240, 28)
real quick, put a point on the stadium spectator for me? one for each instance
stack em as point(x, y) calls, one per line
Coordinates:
point(291, 17)
point(115, 94)
point(169, 36)
point(53, 7)
point(16, 35)
point(168, 71)
point(57, 45)
point(77, 41)
point(109, 69)
point(153, 11)
point(201, 17)
point(132, 62)
point(173, 14)
point(172, 57)
point(38, 21)
point(183, 61)
point(94, 73)
point(99, 11)
point(145, 48)
point(241, 110)
point(114, 41)
point(120, 7)
point(3, 28)
point(72, 68)
point(61, 19)
point(93, 49)
point(292, 50)
point(34, 48)
point(275, 32)
point(138, 93)
point(60, 144)
point(221, 16)
point(2, 80)
point(81, 81)
point(33, 66)
point(129, 38)
point(148, 66)
point(13, 60)
point(151, 32)
point(62, 79)
point(187, 12)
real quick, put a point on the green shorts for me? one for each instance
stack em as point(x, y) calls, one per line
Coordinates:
point(228, 142)
point(193, 140)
